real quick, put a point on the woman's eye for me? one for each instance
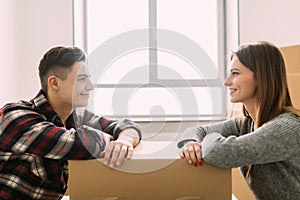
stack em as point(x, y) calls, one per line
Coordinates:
point(234, 73)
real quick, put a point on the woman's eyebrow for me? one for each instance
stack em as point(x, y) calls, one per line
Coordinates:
point(234, 69)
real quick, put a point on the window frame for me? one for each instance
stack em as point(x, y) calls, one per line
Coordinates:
point(80, 26)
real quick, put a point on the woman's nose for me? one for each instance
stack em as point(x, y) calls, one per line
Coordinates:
point(227, 81)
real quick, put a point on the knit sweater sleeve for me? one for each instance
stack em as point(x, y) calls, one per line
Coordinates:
point(226, 128)
point(276, 140)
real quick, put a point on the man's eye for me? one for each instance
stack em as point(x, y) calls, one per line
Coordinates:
point(81, 79)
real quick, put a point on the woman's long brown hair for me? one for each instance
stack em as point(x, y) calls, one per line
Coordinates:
point(267, 63)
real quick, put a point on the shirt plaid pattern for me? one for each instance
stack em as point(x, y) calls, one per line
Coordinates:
point(35, 146)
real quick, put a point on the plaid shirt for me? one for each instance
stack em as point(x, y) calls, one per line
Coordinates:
point(35, 146)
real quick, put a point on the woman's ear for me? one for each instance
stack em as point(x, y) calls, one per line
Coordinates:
point(53, 83)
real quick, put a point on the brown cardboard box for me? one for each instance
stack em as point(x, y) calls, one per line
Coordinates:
point(150, 175)
point(240, 189)
point(291, 56)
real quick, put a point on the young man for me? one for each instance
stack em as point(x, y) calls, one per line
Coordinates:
point(37, 138)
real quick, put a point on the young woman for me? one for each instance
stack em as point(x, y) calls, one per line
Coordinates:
point(263, 141)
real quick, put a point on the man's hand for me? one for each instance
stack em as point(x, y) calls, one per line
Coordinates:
point(117, 151)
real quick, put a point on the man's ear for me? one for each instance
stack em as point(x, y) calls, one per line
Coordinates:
point(53, 82)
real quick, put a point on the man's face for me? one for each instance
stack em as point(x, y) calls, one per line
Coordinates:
point(75, 89)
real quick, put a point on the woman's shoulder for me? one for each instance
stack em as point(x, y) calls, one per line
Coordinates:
point(289, 116)
point(287, 119)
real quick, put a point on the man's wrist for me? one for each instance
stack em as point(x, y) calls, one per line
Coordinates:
point(130, 135)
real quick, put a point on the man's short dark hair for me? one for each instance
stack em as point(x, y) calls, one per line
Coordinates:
point(58, 61)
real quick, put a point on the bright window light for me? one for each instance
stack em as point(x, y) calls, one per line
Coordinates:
point(156, 60)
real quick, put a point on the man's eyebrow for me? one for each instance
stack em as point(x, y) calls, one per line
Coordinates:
point(83, 75)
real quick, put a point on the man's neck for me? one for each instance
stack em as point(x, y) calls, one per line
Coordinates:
point(63, 113)
point(63, 110)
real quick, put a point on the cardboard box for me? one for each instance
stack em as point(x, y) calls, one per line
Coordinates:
point(240, 189)
point(154, 173)
point(291, 56)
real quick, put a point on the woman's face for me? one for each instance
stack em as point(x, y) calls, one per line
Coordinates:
point(241, 83)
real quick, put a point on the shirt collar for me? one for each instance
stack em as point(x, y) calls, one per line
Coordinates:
point(43, 106)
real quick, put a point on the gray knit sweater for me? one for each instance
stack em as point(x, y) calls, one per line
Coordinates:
point(273, 150)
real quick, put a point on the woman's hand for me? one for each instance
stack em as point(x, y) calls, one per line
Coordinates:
point(191, 151)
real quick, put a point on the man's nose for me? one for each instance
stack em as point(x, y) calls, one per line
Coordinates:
point(89, 85)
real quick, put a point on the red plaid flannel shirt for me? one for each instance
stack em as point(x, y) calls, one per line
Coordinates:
point(35, 147)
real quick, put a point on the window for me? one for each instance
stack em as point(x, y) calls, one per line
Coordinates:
point(155, 60)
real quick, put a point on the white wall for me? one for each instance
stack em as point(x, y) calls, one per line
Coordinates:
point(28, 29)
point(7, 51)
point(273, 20)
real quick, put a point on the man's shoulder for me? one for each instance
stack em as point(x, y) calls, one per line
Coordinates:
point(20, 105)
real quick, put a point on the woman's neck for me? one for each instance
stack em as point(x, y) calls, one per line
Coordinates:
point(251, 109)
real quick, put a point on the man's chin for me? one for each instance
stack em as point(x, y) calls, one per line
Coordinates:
point(78, 105)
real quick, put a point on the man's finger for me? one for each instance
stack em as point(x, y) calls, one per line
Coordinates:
point(122, 155)
point(107, 153)
point(129, 152)
point(115, 154)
